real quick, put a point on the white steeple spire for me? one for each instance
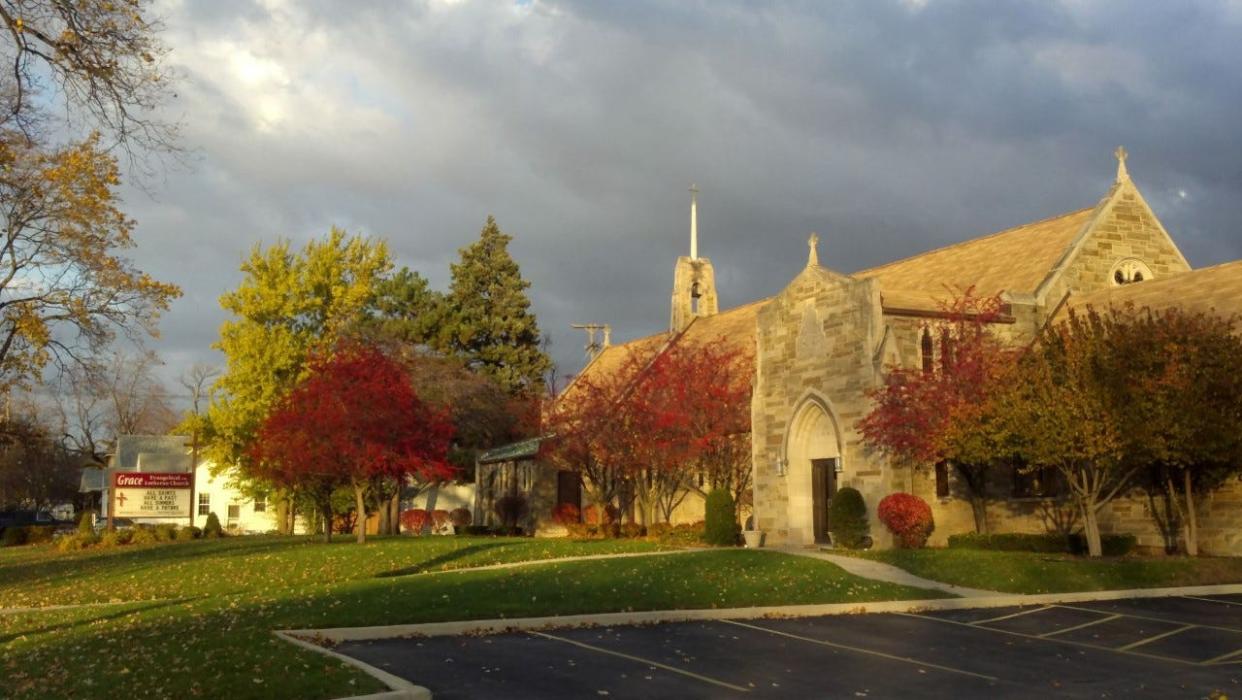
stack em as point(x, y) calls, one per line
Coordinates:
point(694, 222)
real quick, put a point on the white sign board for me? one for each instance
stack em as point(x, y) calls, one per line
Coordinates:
point(151, 495)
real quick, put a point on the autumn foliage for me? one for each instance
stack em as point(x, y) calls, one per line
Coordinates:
point(665, 423)
point(908, 517)
point(353, 421)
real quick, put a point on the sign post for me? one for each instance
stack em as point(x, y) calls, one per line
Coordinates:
point(151, 494)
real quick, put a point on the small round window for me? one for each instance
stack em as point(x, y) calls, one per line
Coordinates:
point(1129, 271)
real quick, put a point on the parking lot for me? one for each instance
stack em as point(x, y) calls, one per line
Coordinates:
point(1156, 647)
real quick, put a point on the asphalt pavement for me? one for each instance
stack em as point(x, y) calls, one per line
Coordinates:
point(1183, 647)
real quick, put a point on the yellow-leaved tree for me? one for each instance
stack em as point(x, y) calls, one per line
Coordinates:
point(289, 304)
point(66, 288)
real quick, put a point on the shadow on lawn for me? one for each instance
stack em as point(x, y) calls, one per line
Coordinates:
point(438, 563)
point(100, 561)
point(155, 605)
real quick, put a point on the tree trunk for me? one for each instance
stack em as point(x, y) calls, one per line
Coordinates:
point(325, 509)
point(360, 513)
point(1091, 529)
point(282, 515)
point(394, 511)
point(384, 522)
point(979, 508)
point(1190, 524)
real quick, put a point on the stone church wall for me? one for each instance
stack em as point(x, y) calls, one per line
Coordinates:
point(1127, 230)
point(815, 343)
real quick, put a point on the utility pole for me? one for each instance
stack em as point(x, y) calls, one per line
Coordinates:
point(593, 347)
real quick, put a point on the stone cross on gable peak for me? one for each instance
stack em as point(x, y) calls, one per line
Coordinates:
point(813, 255)
point(1122, 173)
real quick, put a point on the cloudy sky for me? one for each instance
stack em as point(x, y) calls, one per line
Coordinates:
point(889, 128)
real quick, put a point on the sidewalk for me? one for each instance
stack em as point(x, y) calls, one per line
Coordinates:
point(879, 571)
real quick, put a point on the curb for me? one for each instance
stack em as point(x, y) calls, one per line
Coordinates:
point(496, 626)
point(401, 689)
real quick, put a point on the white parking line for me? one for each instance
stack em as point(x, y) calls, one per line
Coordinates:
point(1078, 627)
point(1054, 640)
point(1020, 613)
point(1213, 600)
point(1155, 619)
point(1153, 638)
point(1223, 658)
point(639, 659)
point(860, 650)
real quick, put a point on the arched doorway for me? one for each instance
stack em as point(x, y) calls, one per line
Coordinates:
point(813, 451)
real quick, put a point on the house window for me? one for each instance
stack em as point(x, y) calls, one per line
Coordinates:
point(1035, 483)
point(928, 362)
point(204, 504)
point(234, 511)
point(260, 504)
point(942, 479)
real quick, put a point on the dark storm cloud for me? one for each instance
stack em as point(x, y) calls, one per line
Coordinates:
point(888, 128)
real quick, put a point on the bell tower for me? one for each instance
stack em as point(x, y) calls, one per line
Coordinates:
point(694, 281)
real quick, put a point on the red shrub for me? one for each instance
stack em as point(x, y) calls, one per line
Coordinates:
point(413, 520)
point(908, 517)
point(591, 514)
point(460, 517)
point(566, 513)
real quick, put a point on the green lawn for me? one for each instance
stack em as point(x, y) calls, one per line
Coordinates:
point(1028, 572)
point(214, 639)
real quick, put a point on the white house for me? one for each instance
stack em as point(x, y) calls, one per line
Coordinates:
point(171, 453)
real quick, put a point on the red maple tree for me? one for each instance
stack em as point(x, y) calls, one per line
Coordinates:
point(663, 424)
point(936, 412)
point(355, 420)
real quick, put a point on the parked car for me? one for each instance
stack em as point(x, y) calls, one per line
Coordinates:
point(22, 518)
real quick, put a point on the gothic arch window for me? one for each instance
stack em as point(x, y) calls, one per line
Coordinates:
point(926, 348)
point(1129, 271)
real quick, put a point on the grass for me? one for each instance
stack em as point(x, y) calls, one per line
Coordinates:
point(1029, 572)
point(214, 638)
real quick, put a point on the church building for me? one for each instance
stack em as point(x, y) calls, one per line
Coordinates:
point(826, 339)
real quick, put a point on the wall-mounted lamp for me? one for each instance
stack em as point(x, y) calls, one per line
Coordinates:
point(781, 465)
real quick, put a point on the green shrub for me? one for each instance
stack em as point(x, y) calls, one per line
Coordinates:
point(1044, 542)
point(143, 534)
point(721, 519)
point(1110, 545)
point(166, 532)
point(185, 533)
point(76, 541)
point(40, 534)
point(86, 524)
point(476, 530)
point(112, 539)
point(212, 527)
point(13, 536)
point(847, 519)
point(511, 510)
point(685, 534)
point(632, 530)
point(460, 517)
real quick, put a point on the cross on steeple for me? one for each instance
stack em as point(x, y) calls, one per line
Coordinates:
point(813, 256)
point(1122, 174)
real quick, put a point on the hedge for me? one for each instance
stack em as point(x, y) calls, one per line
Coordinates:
point(721, 519)
point(1047, 542)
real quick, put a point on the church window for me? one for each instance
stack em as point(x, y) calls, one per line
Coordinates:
point(942, 479)
point(946, 349)
point(1040, 482)
point(928, 361)
point(1130, 271)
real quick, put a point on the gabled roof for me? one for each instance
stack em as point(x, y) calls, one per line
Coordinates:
point(736, 327)
point(1210, 289)
point(1015, 260)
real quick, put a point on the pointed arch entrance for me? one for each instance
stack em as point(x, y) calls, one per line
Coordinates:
point(813, 453)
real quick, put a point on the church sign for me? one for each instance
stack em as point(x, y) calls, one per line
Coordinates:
point(151, 495)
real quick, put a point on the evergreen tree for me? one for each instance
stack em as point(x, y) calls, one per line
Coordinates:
point(487, 319)
point(406, 309)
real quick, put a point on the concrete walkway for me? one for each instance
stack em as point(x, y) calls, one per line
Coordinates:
point(879, 571)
